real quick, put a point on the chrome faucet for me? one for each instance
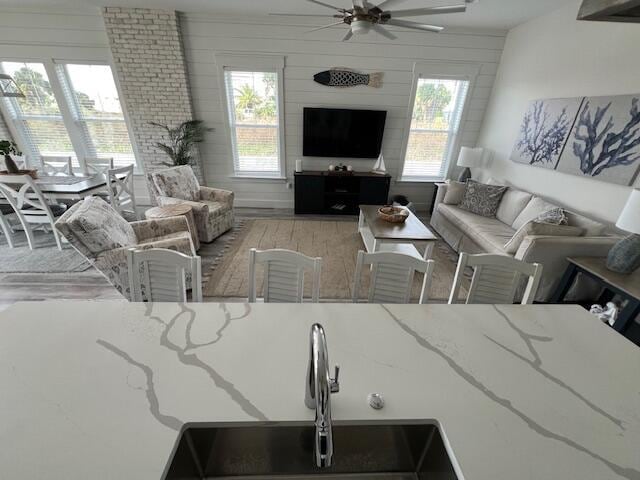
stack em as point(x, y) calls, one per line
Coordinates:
point(318, 394)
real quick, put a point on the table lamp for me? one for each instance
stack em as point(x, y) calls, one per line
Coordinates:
point(469, 157)
point(624, 256)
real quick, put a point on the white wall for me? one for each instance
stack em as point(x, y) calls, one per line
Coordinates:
point(80, 34)
point(308, 53)
point(557, 56)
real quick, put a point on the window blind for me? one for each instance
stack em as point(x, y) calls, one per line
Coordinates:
point(93, 100)
point(37, 116)
point(435, 120)
point(253, 116)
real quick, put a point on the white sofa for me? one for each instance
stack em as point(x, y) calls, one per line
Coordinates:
point(467, 232)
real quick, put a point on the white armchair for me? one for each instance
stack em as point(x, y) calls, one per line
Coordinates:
point(99, 233)
point(212, 207)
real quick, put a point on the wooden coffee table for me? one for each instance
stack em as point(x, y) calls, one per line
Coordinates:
point(176, 210)
point(381, 236)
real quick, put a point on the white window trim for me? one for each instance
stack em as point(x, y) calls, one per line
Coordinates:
point(439, 70)
point(253, 63)
point(77, 141)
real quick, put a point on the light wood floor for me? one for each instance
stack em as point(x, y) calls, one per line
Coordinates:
point(18, 287)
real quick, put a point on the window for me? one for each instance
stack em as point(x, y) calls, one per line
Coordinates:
point(95, 106)
point(68, 110)
point(37, 117)
point(254, 122)
point(438, 106)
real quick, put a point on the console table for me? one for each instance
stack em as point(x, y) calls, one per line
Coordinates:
point(323, 192)
point(627, 287)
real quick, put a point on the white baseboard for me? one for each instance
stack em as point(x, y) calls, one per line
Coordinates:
point(260, 203)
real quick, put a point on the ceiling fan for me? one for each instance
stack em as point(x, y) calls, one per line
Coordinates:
point(364, 17)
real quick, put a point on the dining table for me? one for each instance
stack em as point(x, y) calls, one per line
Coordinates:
point(66, 187)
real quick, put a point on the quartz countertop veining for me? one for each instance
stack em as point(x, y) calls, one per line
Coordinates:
point(101, 390)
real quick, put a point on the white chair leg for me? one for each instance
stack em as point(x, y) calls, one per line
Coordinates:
point(7, 231)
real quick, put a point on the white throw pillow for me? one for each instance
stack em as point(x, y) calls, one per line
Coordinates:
point(454, 193)
point(512, 203)
point(535, 228)
point(534, 208)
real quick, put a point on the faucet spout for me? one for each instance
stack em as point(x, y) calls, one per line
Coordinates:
point(319, 387)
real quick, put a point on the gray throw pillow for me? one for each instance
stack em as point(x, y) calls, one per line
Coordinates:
point(555, 216)
point(482, 199)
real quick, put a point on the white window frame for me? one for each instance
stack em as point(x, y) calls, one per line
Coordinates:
point(252, 63)
point(80, 147)
point(445, 71)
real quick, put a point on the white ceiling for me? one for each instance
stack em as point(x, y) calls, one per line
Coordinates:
point(501, 14)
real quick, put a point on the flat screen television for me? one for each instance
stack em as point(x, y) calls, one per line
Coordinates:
point(336, 132)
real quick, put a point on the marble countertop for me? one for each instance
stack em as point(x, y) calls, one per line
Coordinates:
point(101, 390)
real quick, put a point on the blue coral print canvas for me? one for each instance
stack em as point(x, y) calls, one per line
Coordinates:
point(544, 130)
point(604, 143)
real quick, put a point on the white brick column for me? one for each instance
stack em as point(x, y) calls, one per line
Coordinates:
point(146, 46)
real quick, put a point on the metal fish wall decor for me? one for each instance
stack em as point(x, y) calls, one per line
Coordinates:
point(344, 77)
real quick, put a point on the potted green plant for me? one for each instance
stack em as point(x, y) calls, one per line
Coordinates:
point(181, 141)
point(7, 148)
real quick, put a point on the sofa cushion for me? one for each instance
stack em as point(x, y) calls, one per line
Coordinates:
point(535, 207)
point(482, 199)
point(454, 193)
point(592, 228)
point(177, 182)
point(489, 233)
point(512, 203)
point(98, 226)
point(540, 228)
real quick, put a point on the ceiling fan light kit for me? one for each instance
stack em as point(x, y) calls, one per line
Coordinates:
point(363, 17)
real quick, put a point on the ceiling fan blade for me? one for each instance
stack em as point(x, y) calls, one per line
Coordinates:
point(303, 15)
point(428, 11)
point(348, 36)
point(383, 32)
point(325, 5)
point(325, 26)
point(414, 25)
point(387, 4)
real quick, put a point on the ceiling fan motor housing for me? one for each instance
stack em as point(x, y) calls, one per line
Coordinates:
point(360, 27)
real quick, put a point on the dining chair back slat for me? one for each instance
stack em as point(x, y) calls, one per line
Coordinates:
point(56, 165)
point(496, 279)
point(159, 275)
point(283, 275)
point(392, 277)
point(97, 165)
point(121, 190)
point(29, 205)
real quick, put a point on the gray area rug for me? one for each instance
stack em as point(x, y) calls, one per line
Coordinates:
point(45, 258)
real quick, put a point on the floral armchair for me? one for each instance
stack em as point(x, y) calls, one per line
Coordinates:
point(212, 207)
point(99, 233)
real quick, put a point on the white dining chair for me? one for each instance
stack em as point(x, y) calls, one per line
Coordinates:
point(283, 275)
point(392, 277)
point(159, 275)
point(121, 193)
point(51, 165)
point(495, 279)
point(30, 206)
point(6, 211)
point(97, 165)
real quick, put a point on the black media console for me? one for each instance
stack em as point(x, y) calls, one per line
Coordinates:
point(322, 192)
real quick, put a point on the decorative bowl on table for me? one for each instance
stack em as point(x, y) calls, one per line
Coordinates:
point(392, 214)
point(32, 172)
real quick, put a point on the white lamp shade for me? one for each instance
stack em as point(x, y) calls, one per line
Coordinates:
point(629, 219)
point(470, 157)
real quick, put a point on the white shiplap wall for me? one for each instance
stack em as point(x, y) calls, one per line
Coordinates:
point(80, 35)
point(307, 54)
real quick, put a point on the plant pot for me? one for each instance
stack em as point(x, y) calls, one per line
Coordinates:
point(10, 165)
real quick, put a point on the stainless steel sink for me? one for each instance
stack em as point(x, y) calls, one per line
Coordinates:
point(380, 451)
